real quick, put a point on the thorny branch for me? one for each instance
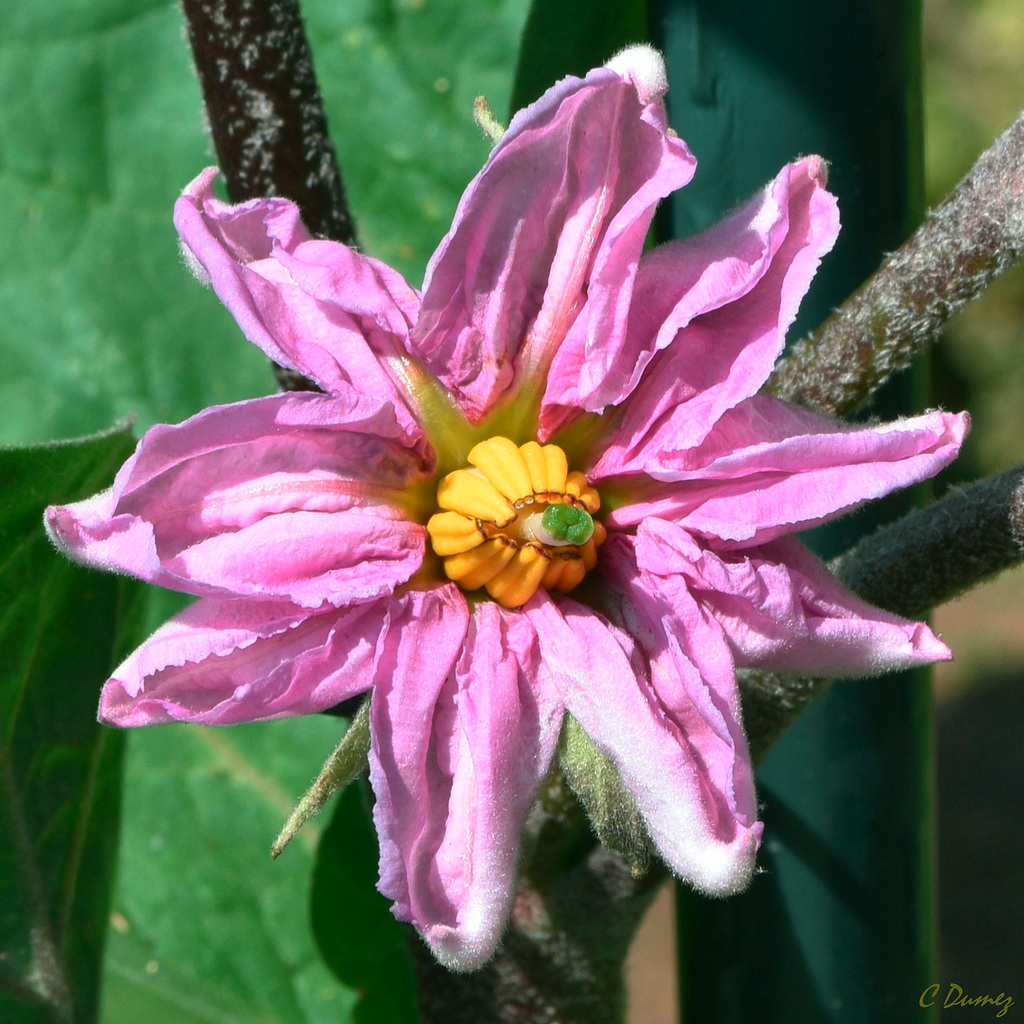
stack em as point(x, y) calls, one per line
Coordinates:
point(972, 237)
point(264, 107)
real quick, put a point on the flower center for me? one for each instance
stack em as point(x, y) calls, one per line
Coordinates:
point(516, 521)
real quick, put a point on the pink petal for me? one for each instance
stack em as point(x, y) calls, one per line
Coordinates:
point(314, 306)
point(719, 304)
point(308, 557)
point(692, 671)
point(705, 832)
point(769, 468)
point(224, 662)
point(556, 218)
point(781, 608)
point(292, 496)
point(462, 737)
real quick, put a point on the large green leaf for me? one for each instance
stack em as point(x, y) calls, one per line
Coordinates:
point(101, 127)
point(358, 938)
point(60, 632)
point(206, 927)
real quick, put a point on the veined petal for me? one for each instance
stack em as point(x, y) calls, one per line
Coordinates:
point(308, 557)
point(556, 218)
point(781, 608)
point(317, 307)
point(224, 662)
point(769, 469)
point(707, 834)
point(284, 497)
point(463, 734)
point(718, 303)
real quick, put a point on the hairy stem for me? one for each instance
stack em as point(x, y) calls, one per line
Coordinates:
point(265, 110)
point(266, 115)
point(974, 235)
point(937, 553)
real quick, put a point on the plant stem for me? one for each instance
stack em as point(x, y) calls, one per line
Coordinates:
point(265, 111)
point(266, 116)
point(972, 237)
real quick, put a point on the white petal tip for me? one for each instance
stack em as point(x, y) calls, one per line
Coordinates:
point(61, 528)
point(202, 185)
point(460, 950)
point(727, 870)
point(52, 525)
point(816, 168)
point(644, 66)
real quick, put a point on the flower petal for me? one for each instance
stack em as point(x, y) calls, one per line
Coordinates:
point(705, 832)
point(224, 662)
point(781, 608)
point(318, 307)
point(462, 737)
point(291, 496)
point(769, 468)
point(718, 303)
point(557, 216)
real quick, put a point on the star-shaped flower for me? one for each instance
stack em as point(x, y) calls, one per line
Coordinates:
point(545, 484)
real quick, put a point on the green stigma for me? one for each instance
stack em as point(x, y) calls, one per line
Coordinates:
point(568, 523)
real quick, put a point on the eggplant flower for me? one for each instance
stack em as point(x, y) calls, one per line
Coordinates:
point(544, 485)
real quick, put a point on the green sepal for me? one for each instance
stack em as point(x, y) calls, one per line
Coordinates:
point(346, 763)
point(596, 781)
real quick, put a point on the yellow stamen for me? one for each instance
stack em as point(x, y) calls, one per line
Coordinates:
point(452, 533)
point(519, 579)
point(500, 461)
point(474, 495)
point(572, 574)
point(473, 569)
point(576, 485)
point(493, 532)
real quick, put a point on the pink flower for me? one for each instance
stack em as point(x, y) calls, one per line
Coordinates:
point(405, 532)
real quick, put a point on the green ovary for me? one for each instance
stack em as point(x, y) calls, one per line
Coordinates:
point(568, 523)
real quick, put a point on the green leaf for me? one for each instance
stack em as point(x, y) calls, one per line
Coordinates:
point(206, 927)
point(61, 630)
point(101, 128)
point(357, 936)
point(569, 37)
point(399, 81)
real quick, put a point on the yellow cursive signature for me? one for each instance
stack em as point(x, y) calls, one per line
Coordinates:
point(955, 996)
